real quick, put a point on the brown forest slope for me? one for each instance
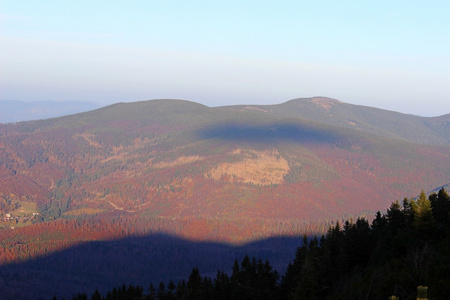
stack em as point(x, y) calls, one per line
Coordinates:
point(231, 173)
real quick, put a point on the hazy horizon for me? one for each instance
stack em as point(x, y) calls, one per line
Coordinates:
point(393, 56)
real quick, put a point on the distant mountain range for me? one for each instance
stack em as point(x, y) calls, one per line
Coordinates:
point(18, 111)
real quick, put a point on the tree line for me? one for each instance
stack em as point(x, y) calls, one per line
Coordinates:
point(402, 254)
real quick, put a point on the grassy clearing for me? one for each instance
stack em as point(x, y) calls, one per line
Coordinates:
point(26, 208)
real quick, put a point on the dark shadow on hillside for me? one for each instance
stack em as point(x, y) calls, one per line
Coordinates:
point(141, 260)
point(293, 132)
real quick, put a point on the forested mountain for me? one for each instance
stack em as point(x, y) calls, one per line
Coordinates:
point(234, 173)
point(182, 170)
point(434, 130)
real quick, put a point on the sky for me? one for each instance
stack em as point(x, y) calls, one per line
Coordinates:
point(393, 55)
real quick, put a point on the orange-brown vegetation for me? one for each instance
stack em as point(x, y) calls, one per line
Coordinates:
point(182, 160)
point(206, 174)
point(322, 102)
point(256, 167)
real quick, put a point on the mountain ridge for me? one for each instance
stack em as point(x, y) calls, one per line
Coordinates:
point(330, 111)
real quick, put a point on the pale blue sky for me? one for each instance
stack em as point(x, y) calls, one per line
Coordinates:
point(387, 54)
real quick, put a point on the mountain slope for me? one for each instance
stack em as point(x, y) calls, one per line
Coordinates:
point(229, 173)
point(435, 130)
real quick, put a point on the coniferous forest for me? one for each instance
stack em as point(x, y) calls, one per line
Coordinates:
point(402, 254)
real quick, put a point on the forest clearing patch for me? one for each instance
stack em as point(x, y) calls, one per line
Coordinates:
point(256, 167)
point(182, 160)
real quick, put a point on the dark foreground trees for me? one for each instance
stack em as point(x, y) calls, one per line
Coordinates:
point(251, 279)
point(400, 253)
